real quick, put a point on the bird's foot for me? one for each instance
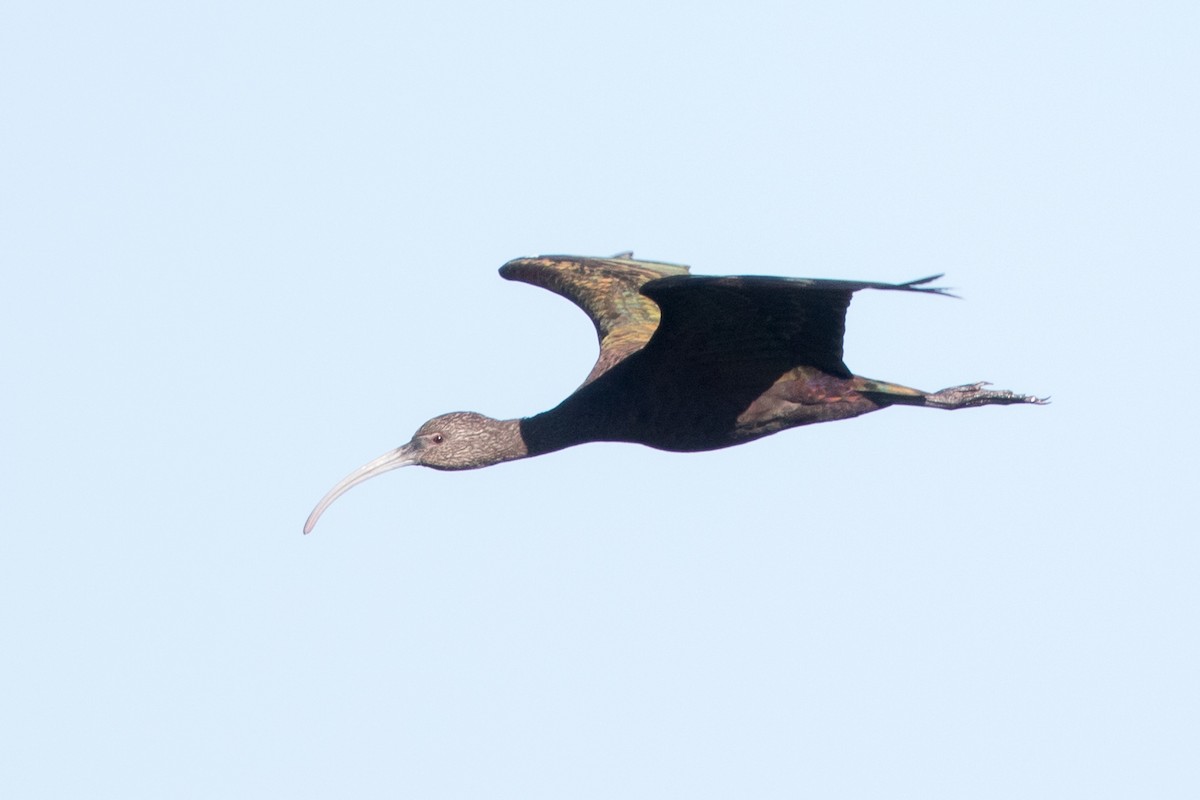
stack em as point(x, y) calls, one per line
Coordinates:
point(974, 394)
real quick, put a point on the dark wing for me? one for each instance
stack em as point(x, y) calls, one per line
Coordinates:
point(755, 325)
point(607, 289)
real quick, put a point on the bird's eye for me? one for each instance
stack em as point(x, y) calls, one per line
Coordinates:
point(438, 438)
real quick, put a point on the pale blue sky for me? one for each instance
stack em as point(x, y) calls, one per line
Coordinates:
point(248, 247)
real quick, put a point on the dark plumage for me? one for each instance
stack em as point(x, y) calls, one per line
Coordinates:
point(687, 363)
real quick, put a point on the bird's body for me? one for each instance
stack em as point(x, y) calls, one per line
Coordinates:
point(642, 403)
point(687, 363)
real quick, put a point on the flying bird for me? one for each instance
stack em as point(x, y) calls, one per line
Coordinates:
point(687, 363)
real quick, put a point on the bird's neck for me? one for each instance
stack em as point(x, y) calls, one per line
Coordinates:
point(503, 441)
point(557, 429)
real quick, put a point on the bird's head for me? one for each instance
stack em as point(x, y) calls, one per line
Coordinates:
point(463, 440)
point(458, 440)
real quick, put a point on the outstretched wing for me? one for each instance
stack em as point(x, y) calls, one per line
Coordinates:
point(753, 325)
point(607, 289)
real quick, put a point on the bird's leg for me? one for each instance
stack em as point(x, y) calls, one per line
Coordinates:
point(974, 394)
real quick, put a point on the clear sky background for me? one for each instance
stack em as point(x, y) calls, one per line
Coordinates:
point(247, 247)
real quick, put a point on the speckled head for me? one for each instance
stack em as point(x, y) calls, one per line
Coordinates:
point(466, 440)
point(458, 440)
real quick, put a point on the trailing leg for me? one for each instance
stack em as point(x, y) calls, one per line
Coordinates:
point(974, 394)
point(967, 396)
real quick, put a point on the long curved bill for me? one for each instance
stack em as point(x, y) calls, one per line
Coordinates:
point(400, 457)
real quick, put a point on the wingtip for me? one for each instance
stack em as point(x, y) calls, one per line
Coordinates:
point(508, 268)
point(918, 285)
point(929, 279)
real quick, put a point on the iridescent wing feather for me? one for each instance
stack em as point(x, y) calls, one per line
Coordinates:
point(609, 292)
